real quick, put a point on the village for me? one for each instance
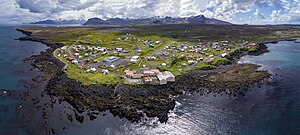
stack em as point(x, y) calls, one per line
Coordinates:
point(139, 60)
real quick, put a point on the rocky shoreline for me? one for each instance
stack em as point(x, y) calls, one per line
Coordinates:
point(136, 102)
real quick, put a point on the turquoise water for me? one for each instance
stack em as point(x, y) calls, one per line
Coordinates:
point(272, 109)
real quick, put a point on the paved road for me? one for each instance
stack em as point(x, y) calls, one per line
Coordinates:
point(69, 50)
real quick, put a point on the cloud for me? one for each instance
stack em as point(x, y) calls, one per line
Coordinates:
point(258, 14)
point(34, 10)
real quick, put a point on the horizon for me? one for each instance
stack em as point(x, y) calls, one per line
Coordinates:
point(254, 12)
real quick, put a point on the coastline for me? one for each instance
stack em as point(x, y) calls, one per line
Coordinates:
point(132, 102)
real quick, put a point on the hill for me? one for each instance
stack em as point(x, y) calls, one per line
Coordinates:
point(59, 22)
point(201, 19)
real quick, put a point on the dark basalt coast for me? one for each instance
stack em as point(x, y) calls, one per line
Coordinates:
point(136, 102)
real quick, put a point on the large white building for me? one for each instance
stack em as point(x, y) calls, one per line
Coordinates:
point(169, 76)
point(162, 78)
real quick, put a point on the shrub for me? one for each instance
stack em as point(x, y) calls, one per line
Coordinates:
point(203, 66)
point(220, 61)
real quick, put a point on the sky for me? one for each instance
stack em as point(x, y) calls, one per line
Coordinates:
point(235, 11)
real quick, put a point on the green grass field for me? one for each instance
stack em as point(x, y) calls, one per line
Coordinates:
point(173, 35)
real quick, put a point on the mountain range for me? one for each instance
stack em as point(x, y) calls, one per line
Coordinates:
point(201, 19)
point(57, 22)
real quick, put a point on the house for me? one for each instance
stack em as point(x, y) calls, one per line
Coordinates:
point(104, 53)
point(137, 49)
point(70, 59)
point(170, 77)
point(134, 59)
point(125, 51)
point(200, 59)
point(93, 70)
point(76, 54)
point(152, 58)
point(191, 62)
point(101, 49)
point(105, 71)
point(64, 47)
point(86, 67)
point(151, 45)
point(119, 49)
point(223, 55)
point(75, 62)
point(252, 44)
point(163, 64)
point(157, 42)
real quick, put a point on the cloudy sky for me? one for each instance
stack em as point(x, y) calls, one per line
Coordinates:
point(236, 11)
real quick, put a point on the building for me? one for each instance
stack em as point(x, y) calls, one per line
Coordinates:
point(162, 79)
point(191, 62)
point(105, 71)
point(134, 59)
point(119, 49)
point(110, 60)
point(223, 55)
point(133, 74)
point(75, 62)
point(169, 76)
point(151, 72)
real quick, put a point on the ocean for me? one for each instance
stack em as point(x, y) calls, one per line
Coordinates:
point(267, 109)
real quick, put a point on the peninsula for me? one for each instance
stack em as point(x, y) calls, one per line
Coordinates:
point(133, 71)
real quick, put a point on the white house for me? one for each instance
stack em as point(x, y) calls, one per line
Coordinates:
point(119, 49)
point(93, 69)
point(75, 62)
point(223, 55)
point(152, 58)
point(190, 62)
point(105, 71)
point(64, 48)
point(76, 54)
point(163, 64)
point(134, 59)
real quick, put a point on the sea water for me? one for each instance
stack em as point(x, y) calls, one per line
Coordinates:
point(269, 109)
point(13, 72)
